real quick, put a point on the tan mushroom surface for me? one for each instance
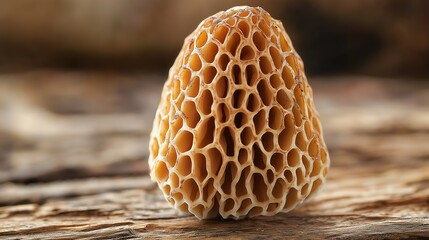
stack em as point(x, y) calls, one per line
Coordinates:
point(236, 133)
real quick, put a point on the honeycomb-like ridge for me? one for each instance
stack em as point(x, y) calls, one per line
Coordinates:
point(236, 133)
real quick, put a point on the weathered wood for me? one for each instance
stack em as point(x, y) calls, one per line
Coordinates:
point(13, 193)
point(57, 183)
point(71, 125)
point(392, 203)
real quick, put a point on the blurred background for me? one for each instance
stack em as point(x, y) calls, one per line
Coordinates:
point(381, 38)
point(80, 81)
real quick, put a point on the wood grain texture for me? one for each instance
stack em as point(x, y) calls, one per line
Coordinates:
point(73, 163)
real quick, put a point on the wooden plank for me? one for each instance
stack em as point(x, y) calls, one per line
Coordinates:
point(91, 183)
point(13, 193)
point(63, 129)
point(393, 203)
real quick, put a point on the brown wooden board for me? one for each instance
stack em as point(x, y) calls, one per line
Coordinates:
point(73, 150)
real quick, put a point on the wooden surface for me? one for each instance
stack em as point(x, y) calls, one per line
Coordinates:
point(73, 149)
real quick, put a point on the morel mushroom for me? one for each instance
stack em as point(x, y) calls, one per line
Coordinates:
point(236, 133)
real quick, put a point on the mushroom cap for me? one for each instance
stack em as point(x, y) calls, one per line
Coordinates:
point(236, 133)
